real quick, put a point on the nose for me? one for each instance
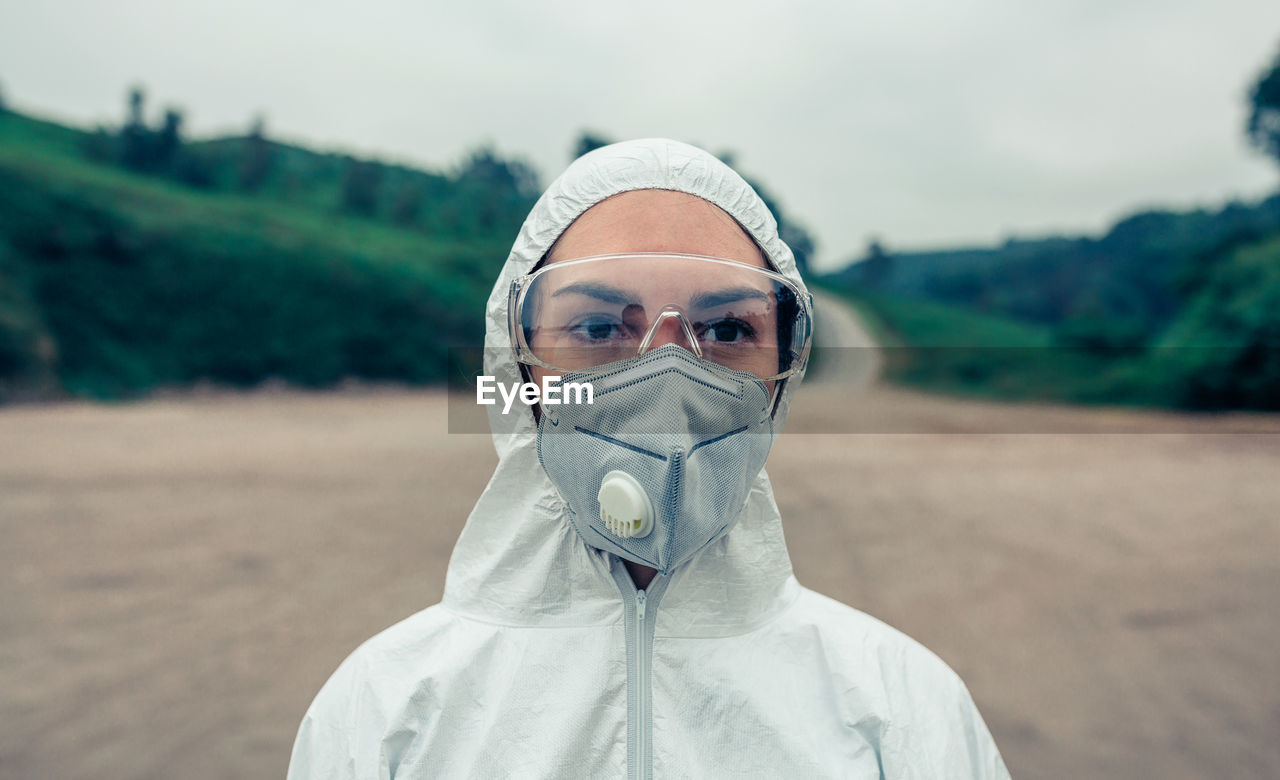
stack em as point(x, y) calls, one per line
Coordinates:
point(670, 327)
point(669, 332)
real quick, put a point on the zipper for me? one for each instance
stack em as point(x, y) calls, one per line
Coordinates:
point(639, 606)
point(642, 731)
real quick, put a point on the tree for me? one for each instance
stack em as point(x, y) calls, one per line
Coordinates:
point(144, 149)
point(135, 138)
point(491, 195)
point(361, 186)
point(791, 232)
point(877, 265)
point(1264, 115)
point(255, 160)
point(169, 140)
point(407, 204)
point(587, 142)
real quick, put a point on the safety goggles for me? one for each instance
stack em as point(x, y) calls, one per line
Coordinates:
point(577, 315)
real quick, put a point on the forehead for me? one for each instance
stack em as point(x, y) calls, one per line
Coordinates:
point(656, 221)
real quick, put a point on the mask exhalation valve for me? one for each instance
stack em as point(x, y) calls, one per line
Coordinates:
point(624, 506)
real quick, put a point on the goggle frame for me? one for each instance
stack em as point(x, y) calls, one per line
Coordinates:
point(524, 353)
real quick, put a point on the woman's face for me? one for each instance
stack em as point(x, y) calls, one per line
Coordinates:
point(658, 221)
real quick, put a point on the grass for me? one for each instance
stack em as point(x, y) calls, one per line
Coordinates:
point(948, 349)
point(112, 283)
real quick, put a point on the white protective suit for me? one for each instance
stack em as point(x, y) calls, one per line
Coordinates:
point(544, 660)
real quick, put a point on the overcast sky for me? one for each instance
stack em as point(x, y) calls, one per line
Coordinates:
point(924, 123)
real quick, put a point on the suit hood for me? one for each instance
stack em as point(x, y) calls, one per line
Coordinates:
point(518, 560)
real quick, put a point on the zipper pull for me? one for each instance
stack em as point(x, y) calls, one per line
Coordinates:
point(640, 605)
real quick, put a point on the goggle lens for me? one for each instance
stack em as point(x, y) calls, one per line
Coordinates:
point(580, 314)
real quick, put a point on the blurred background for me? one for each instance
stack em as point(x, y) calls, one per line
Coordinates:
point(240, 245)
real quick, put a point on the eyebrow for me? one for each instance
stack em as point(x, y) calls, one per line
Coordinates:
point(597, 290)
point(706, 300)
point(729, 295)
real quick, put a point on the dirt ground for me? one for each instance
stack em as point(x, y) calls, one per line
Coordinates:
point(180, 576)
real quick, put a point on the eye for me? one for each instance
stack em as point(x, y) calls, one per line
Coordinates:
point(727, 331)
point(596, 327)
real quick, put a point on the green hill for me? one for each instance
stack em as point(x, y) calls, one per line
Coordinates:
point(1215, 344)
point(113, 282)
point(1223, 349)
point(944, 348)
point(1135, 277)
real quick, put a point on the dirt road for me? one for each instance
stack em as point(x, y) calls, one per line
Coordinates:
point(180, 576)
point(848, 356)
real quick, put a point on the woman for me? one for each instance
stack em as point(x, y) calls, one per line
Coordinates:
point(621, 600)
